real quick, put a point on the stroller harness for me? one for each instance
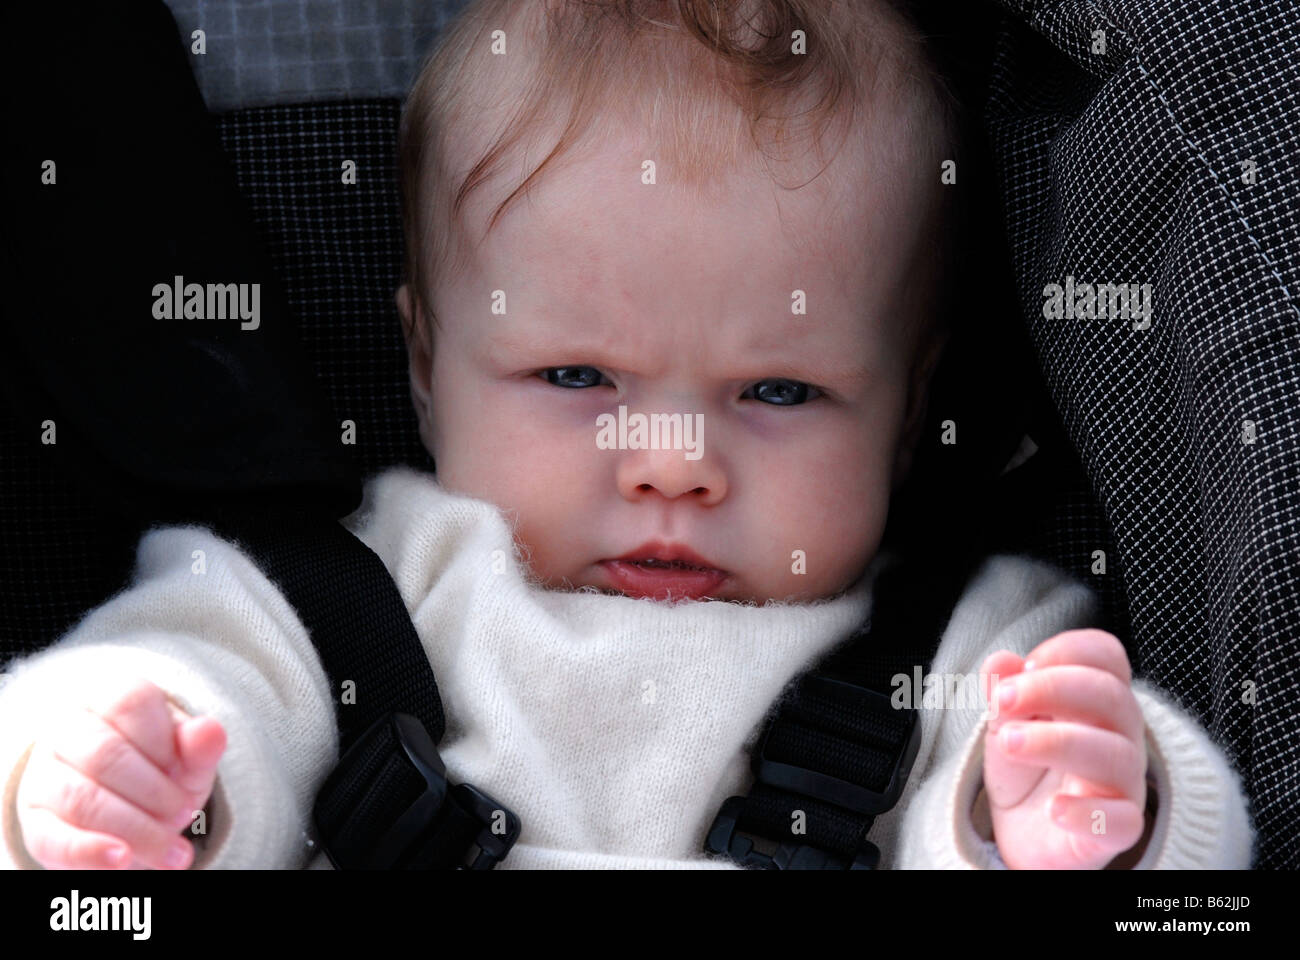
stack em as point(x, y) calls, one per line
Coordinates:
point(833, 755)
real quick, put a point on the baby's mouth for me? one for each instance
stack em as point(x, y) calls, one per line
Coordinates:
point(664, 577)
point(654, 564)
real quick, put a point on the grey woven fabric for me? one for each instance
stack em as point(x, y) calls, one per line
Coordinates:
point(1170, 156)
point(261, 52)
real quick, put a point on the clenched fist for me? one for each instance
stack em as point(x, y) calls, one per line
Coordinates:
point(116, 782)
point(1065, 753)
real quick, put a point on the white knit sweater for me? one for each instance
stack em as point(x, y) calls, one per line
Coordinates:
point(614, 727)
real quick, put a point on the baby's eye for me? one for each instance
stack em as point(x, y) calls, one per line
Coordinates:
point(781, 392)
point(574, 377)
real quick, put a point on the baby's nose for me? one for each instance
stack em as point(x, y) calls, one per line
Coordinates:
point(670, 474)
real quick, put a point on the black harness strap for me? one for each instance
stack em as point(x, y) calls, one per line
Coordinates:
point(349, 604)
point(385, 804)
point(836, 753)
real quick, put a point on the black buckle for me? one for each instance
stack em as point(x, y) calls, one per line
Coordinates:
point(492, 847)
point(819, 786)
point(723, 838)
point(414, 826)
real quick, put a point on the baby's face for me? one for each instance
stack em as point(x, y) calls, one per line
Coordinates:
point(623, 294)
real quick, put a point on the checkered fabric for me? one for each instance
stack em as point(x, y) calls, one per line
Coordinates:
point(337, 249)
point(260, 52)
point(1159, 142)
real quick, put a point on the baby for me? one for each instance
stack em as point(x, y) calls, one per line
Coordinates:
point(681, 358)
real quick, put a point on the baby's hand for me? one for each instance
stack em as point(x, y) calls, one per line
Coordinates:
point(1065, 758)
point(115, 783)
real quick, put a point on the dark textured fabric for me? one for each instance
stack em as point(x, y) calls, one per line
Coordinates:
point(112, 415)
point(338, 250)
point(1171, 158)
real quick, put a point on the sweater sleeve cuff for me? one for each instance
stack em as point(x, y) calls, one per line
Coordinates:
point(971, 821)
point(940, 829)
point(1202, 819)
point(251, 819)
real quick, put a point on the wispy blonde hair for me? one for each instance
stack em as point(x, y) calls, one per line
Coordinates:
point(703, 78)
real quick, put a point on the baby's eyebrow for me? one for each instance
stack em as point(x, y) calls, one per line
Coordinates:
point(820, 373)
point(574, 344)
point(531, 343)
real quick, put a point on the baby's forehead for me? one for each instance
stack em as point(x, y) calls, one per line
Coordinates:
point(701, 302)
point(605, 230)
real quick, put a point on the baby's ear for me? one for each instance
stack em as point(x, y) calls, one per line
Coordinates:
point(404, 305)
point(419, 352)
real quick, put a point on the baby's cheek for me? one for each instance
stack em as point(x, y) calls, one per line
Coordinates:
point(832, 520)
point(554, 512)
point(824, 551)
point(494, 450)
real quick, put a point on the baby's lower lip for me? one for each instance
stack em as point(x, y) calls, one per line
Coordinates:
point(662, 583)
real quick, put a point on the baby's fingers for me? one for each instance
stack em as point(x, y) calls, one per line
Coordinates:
point(1103, 757)
point(1087, 648)
point(142, 714)
point(89, 745)
point(997, 666)
point(1085, 695)
point(200, 742)
point(57, 845)
point(85, 804)
point(1112, 824)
